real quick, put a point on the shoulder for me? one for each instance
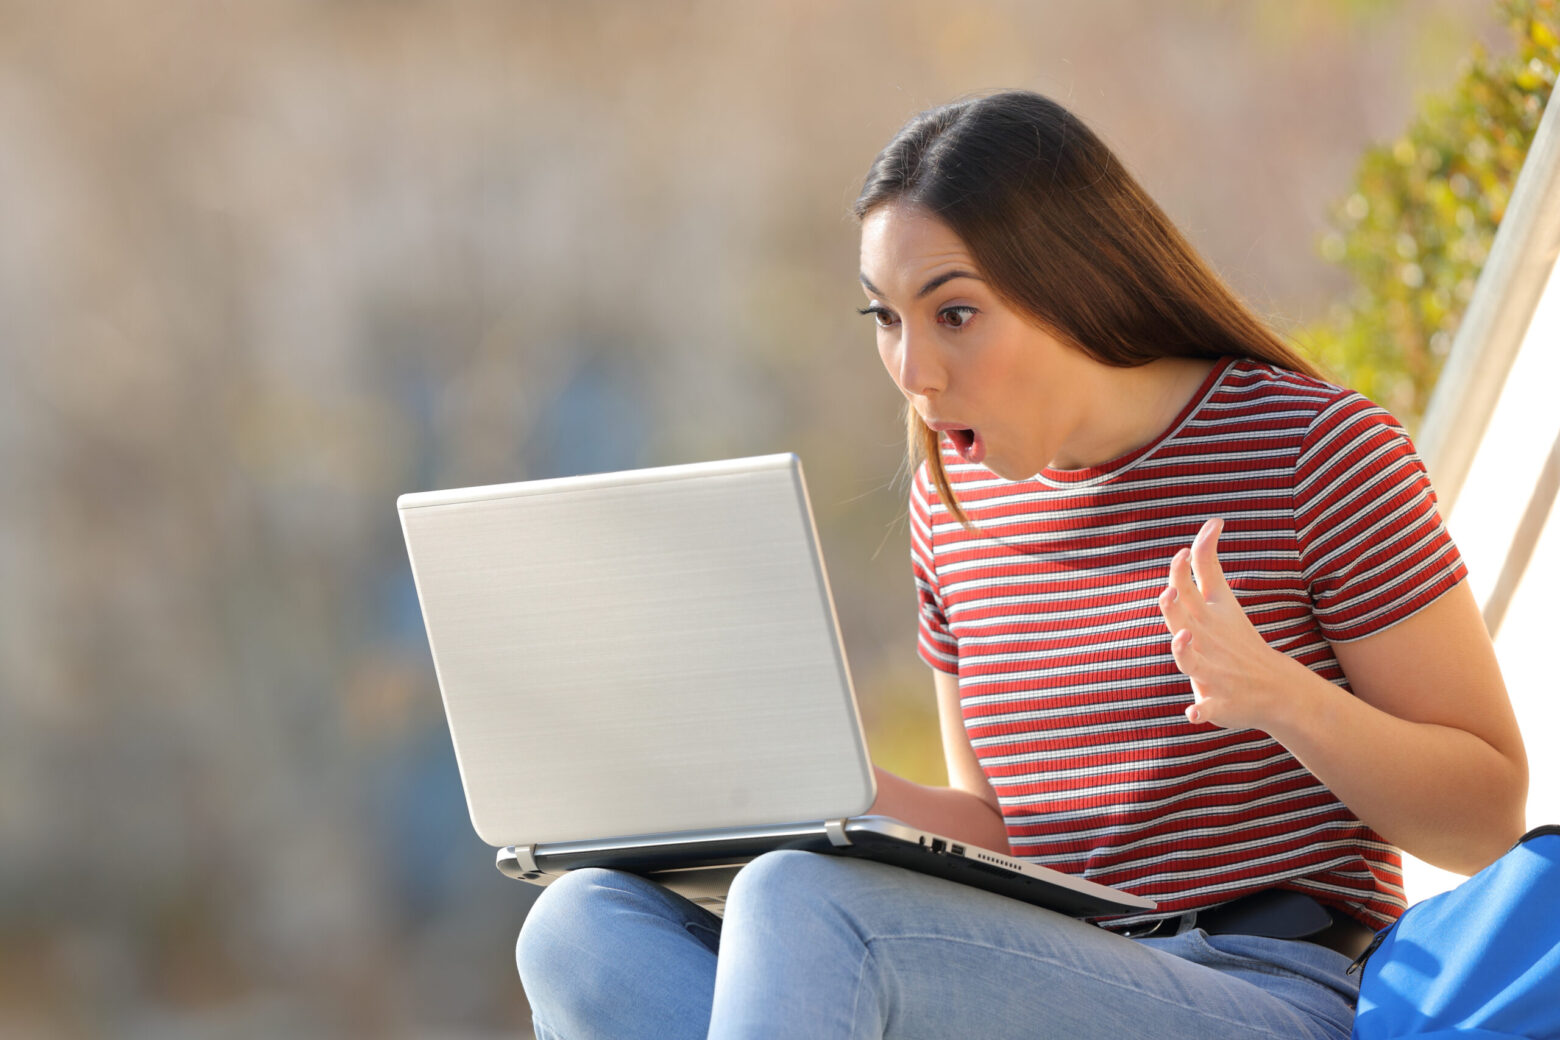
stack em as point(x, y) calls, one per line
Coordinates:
point(1253, 402)
point(1254, 386)
point(1253, 413)
point(1349, 417)
point(1321, 418)
point(1353, 438)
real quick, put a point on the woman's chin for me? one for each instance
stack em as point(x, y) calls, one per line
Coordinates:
point(1006, 471)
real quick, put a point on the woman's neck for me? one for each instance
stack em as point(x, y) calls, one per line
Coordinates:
point(1128, 408)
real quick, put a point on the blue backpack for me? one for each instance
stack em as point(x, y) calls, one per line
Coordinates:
point(1480, 961)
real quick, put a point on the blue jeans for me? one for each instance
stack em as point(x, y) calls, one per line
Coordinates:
point(824, 947)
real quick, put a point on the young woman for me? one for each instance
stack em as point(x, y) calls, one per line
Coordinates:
point(1196, 631)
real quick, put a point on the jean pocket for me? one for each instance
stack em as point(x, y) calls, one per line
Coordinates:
point(1278, 963)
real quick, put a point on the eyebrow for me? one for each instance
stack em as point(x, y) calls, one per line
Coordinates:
point(930, 287)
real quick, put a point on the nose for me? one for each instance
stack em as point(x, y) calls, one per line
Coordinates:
point(913, 362)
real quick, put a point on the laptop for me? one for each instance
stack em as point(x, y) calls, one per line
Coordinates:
point(643, 671)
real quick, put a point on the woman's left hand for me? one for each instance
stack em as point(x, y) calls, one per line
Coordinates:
point(1234, 672)
point(1422, 745)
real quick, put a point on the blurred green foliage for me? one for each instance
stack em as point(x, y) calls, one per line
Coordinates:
point(1418, 226)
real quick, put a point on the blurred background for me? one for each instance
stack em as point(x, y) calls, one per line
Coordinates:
point(266, 265)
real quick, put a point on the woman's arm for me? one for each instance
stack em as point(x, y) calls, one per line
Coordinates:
point(967, 808)
point(1426, 750)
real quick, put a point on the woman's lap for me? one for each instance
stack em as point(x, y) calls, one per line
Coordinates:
point(607, 954)
point(826, 946)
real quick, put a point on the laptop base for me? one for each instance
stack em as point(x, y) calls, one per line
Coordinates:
point(701, 866)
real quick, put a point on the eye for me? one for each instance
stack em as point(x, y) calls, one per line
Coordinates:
point(882, 315)
point(956, 317)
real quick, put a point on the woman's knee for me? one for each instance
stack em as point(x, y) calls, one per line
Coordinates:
point(791, 881)
point(572, 914)
point(602, 950)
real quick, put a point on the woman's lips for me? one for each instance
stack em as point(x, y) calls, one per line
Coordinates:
point(965, 440)
point(969, 444)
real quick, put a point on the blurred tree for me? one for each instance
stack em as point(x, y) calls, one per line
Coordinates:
point(1419, 224)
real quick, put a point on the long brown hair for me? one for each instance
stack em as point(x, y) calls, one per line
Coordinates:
point(1063, 233)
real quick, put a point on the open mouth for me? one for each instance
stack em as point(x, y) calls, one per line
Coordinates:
point(968, 444)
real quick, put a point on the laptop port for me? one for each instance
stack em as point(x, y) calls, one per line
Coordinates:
point(958, 850)
point(938, 845)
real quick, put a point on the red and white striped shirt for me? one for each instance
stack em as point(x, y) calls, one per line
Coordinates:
point(1072, 701)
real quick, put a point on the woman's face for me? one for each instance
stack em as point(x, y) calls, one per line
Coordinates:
point(985, 376)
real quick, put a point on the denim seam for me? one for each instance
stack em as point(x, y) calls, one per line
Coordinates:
point(1260, 966)
point(1065, 966)
point(694, 928)
point(861, 971)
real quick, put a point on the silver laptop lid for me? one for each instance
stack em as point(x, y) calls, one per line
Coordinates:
point(638, 653)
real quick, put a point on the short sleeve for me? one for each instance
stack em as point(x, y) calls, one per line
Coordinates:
point(935, 643)
point(1373, 548)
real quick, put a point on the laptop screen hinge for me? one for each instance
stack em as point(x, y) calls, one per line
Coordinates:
point(835, 829)
point(518, 862)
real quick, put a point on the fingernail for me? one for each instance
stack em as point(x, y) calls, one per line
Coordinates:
point(1193, 714)
point(1171, 595)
